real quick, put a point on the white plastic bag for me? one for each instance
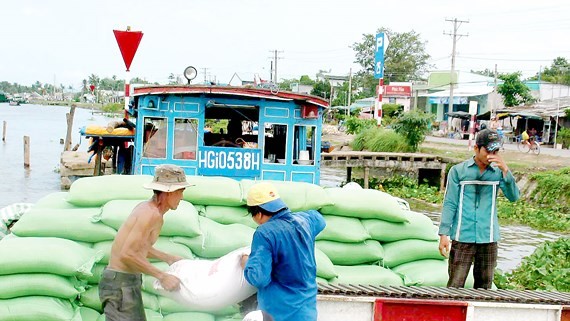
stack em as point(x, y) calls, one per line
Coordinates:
point(210, 285)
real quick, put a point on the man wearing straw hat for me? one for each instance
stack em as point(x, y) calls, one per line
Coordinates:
point(120, 286)
point(282, 261)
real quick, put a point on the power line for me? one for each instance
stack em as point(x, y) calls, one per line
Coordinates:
point(456, 36)
point(274, 63)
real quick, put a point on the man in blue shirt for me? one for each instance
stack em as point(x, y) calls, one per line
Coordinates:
point(469, 215)
point(282, 261)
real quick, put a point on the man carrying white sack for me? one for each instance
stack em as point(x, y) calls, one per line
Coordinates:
point(282, 261)
point(120, 286)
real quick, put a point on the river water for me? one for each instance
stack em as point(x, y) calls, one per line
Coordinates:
point(46, 125)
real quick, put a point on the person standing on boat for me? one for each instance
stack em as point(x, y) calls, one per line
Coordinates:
point(282, 261)
point(120, 286)
point(469, 215)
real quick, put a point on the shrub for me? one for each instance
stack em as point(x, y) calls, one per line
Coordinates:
point(356, 125)
point(380, 140)
point(413, 126)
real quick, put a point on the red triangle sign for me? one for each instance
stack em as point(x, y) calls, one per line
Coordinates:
point(128, 44)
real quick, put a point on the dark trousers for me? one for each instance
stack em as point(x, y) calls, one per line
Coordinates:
point(482, 256)
point(121, 296)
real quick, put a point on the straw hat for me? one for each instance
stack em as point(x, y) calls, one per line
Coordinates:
point(168, 178)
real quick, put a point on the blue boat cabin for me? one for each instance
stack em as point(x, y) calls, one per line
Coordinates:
point(259, 135)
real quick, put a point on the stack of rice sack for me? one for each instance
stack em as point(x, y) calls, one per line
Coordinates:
point(54, 259)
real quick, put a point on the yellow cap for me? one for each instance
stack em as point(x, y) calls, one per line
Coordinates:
point(265, 196)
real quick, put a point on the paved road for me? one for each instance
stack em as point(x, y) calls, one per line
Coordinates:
point(546, 150)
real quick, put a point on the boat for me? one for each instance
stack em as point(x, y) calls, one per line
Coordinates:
point(172, 124)
point(14, 103)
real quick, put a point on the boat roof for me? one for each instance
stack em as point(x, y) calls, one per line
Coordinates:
point(260, 93)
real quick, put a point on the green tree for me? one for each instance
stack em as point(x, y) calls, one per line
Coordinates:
point(322, 88)
point(413, 126)
point(513, 90)
point(306, 80)
point(405, 59)
point(558, 72)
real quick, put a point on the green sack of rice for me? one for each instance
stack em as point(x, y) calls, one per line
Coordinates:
point(38, 308)
point(149, 314)
point(213, 190)
point(217, 239)
point(404, 251)
point(97, 190)
point(29, 284)
point(229, 215)
point(182, 221)
point(55, 200)
point(299, 196)
point(164, 244)
point(364, 203)
point(46, 255)
point(418, 226)
point(366, 275)
point(90, 299)
point(88, 314)
point(96, 273)
point(427, 273)
point(71, 224)
point(168, 306)
point(186, 316)
point(325, 267)
point(343, 229)
point(369, 251)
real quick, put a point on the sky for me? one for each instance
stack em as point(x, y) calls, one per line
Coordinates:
point(64, 41)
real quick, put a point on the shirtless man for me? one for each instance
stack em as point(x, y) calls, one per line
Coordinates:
point(120, 286)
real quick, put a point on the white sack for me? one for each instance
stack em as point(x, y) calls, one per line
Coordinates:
point(210, 285)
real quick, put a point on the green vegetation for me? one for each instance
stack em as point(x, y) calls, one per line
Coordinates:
point(112, 108)
point(355, 125)
point(546, 269)
point(413, 126)
point(380, 140)
point(513, 90)
point(563, 136)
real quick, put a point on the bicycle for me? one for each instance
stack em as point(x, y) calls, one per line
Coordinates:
point(527, 146)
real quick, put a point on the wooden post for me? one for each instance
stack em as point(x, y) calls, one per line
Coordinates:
point(348, 174)
point(69, 116)
point(99, 155)
point(442, 178)
point(26, 151)
point(366, 174)
point(4, 132)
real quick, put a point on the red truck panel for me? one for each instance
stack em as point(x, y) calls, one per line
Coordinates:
point(419, 310)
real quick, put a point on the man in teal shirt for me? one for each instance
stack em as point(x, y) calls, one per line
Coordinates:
point(469, 215)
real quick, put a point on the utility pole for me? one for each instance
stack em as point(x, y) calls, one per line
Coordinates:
point(494, 111)
point(456, 25)
point(349, 87)
point(275, 58)
point(205, 75)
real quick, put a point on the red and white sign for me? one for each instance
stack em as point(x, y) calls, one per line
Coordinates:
point(390, 90)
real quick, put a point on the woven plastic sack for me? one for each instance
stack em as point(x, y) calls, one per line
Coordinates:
point(343, 229)
point(230, 215)
point(210, 285)
point(366, 275)
point(180, 222)
point(96, 273)
point(164, 244)
point(18, 285)
point(186, 316)
point(217, 239)
point(38, 308)
point(298, 196)
point(149, 314)
point(404, 251)
point(90, 299)
point(352, 253)
point(97, 190)
point(55, 200)
point(71, 224)
point(46, 255)
point(325, 268)
point(88, 314)
point(419, 226)
point(148, 280)
point(213, 190)
point(12, 213)
point(168, 306)
point(427, 273)
point(365, 203)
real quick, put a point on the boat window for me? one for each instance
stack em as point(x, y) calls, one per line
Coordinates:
point(305, 139)
point(275, 145)
point(185, 138)
point(154, 139)
point(231, 127)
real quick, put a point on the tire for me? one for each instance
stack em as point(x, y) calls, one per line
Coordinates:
point(536, 148)
point(523, 147)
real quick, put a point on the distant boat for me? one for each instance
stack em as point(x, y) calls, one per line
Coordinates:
point(14, 103)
